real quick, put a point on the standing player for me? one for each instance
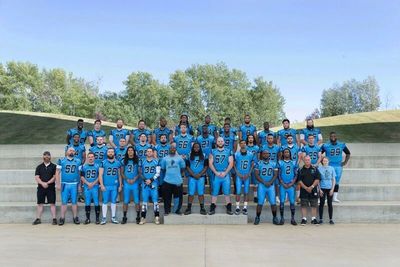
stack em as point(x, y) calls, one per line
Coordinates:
point(243, 165)
point(83, 134)
point(311, 130)
point(135, 134)
point(184, 119)
point(109, 179)
point(79, 148)
point(162, 130)
point(211, 128)
point(334, 152)
point(120, 151)
point(207, 143)
point(142, 147)
point(67, 180)
point(287, 179)
point(247, 129)
point(313, 151)
point(232, 129)
point(132, 181)
point(97, 131)
point(162, 150)
point(283, 133)
point(266, 173)
point(262, 135)
point(230, 139)
point(254, 149)
point(99, 150)
point(273, 151)
point(90, 181)
point(149, 170)
point(196, 166)
point(221, 163)
point(183, 142)
point(118, 133)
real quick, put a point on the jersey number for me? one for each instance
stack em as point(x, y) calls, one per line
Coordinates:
point(112, 171)
point(70, 168)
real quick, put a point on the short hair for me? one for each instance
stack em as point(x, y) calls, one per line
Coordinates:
point(289, 135)
point(96, 121)
point(163, 134)
point(90, 153)
point(270, 134)
point(226, 123)
point(141, 120)
point(80, 120)
point(285, 120)
point(332, 133)
point(309, 135)
point(76, 134)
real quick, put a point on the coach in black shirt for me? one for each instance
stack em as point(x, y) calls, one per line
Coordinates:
point(308, 178)
point(45, 178)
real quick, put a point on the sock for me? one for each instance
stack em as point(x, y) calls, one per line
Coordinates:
point(201, 205)
point(238, 205)
point(97, 210)
point(281, 209)
point(104, 210)
point(292, 210)
point(113, 209)
point(189, 206)
point(87, 210)
point(274, 213)
point(138, 213)
point(245, 205)
point(125, 214)
point(255, 193)
point(297, 193)
point(144, 209)
point(258, 213)
point(156, 209)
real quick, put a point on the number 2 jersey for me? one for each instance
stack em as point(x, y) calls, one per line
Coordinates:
point(287, 171)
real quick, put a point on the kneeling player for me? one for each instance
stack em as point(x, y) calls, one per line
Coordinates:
point(266, 172)
point(150, 171)
point(287, 179)
point(130, 176)
point(90, 181)
point(196, 166)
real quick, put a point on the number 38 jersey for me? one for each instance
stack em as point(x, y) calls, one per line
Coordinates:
point(266, 169)
point(148, 168)
point(90, 172)
point(110, 173)
point(243, 162)
point(221, 159)
point(287, 170)
point(70, 170)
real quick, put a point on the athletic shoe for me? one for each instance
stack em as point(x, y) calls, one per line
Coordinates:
point(321, 221)
point(282, 221)
point(61, 221)
point(257, 220)
point(142, 221)
point(178, 212)
point(245, 211)
point(212, 209)
point(54, 221)
point(237, 211)
point(103, 221)
point(37, 221)
point(157, 220)
point(81, 199)
point(97, 221)
point(336, 200)
point(114, 220)
point(203, 211)
point(137, 220)
point(166, 213)
point(76, 220)
point(331, 222)
point(188, 211)
point(293, 222)
point(275, 221)
point(229, 209)
point(303, 222)
point(87, 221)
point(255, 199)
point(314, 221)
point(124, 220)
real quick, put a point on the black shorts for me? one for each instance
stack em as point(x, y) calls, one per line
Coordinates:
point(309, 202)
point(46, 193)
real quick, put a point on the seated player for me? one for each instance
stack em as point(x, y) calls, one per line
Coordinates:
point(90, 181)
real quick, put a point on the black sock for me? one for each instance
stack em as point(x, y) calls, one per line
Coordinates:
point(258, 213)
point(143, 214)
point(292, 210)
point(156, 213)
point(201, 205)
point(189, 206)
point(97, 210)
point(87, 209)
point(138, 213)
point(281, 209)
point(125, 214)
point(274, 213)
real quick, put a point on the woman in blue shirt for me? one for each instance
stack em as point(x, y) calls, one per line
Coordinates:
point(327, 186)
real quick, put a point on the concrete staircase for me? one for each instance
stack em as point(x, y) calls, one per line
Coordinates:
point(370, 189)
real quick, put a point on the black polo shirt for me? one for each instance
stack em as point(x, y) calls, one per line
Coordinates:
point(307, 176)
point(46, 173)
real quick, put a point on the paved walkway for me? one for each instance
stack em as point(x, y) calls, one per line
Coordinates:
point(174, 245)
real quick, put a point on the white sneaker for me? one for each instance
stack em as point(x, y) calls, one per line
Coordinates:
point(157, 220)
point(114, 220)
point(142, 221)
point(103, 221)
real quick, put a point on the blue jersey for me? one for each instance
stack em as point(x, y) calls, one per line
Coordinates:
point(247, 130)
point(120, 152)
point(162, 150)
point(232, 130)
point(79, 150)
point(196, 165)
point(313, 152)
point(90, 172)
point(137, 132)
point(262, 136)
point(266, 170)
point(148, 168)
point(283, 133)
point(206, 143)
point(229, 141)
point(212, 129)
point(70, 170)
point(141, 150)
point(294, 151)
point(159, 131)
point(189, 130)
point(287, 171)
point(314, 131)
point(100, 153)
point(243, 162)
point(131, 169)
point(118, 134)
point(334, 152)
point(221, 159)
point(95, 134)
point(83, 134)
point(183, 144)
point(254, 150)
point(110, 173)
point(273, 152)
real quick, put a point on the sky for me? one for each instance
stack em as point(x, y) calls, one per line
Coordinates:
point(303, 47)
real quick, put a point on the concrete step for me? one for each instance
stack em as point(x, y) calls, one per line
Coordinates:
point(383, 149)
point(22, 163)
point(369, 176)
point(374, 162)
point(31, 151)
point(195, 219)
point(345, 212)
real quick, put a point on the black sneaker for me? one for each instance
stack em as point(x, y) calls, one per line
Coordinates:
point(331, 222)
point(178, 212)
point(321, 221)
point(282, 221)
point(229, 209)
point(303, 222)
point(314, 221)
point(275, 221)
point(245, 211)
point(257, 220)
point(87, 221)
point(203, 211)
point(237, 211)
point(124, 220)
point(61, 221)
point(81, 199)
point(37, 221)
point(97, 220)
point(76, 220)
point(188, 211)
point(255, 200)
point(212, 209)
point(54, 221)
point(293, 222)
